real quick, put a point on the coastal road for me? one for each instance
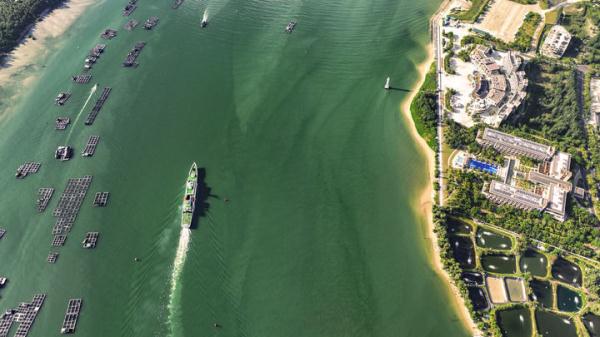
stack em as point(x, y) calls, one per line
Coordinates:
point(436, 31)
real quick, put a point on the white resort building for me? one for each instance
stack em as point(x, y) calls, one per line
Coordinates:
point(499, 87)
point(543, 188)
point(556, 42)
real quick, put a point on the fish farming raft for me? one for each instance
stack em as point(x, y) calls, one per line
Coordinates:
point(101, 199)
point(71, 316)
point(90, 147)
point(27, 168)
point(90, 240)
point(91, 117)
point(52, 257)
point(133, 55)
point(44, 196)
point(82, 79)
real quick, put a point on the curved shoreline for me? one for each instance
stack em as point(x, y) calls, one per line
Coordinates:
point(425, 206)
point(30, 52)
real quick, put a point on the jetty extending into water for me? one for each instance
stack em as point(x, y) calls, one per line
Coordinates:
point(133, 55)
point(71, 316)
point(90, 147)
point(44, 196)
point(24, 315)
point(91, 117)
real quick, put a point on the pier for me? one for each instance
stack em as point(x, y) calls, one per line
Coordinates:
point(101, 199)
point(82, 79)
point(70, 202)
point(176, 4)
point(52, 257)
point(131, 24)
point(44, 196)
point(27, 168)
point(91, 239)
point(2, 232)
point(62, 123)
point(71, 316)
point(129, 8)
point(151, 22)
point(108, 34)
point(24, 314)
point(133, 55)
point(91, 117)
point(90, 147)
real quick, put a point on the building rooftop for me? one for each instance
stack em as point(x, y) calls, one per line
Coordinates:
point(509, 144)
point(556, 42)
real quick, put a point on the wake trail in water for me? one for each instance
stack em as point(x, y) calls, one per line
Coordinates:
point(175, 291)
point(92, 91)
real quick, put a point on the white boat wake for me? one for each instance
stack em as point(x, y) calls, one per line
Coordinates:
point(92, 91)
point(175, 291)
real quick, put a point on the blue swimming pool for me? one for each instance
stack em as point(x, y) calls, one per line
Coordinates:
point(481, 166)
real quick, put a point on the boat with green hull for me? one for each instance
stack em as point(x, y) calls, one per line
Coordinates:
point(189, 199)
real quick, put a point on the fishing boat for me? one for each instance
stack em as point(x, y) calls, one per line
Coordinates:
point(189, 199)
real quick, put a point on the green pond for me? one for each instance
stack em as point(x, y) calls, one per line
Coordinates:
point(553, 325)
point(486, 238)
point(514, 322)
point(501, 264)
point(457, 226)
point(592, 324)
point(567, 299)
point(542, 293)
point(533, 262)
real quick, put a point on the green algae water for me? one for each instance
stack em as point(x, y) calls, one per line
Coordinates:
point(311, 176)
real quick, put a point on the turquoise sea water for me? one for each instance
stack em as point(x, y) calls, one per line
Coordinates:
point(320, 236)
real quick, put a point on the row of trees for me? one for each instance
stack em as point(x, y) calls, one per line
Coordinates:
point(16, 16)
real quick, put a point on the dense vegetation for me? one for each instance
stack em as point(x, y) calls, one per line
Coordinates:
point(424, 108)
point(583, 21)
point(473, 13)
point(524, 36)
point(16, 16)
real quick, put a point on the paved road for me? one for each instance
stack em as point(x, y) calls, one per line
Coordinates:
point(438, 54)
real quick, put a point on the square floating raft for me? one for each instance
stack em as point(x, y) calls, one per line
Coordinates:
point(101, 199)
point(52, 257)
point(71, 316)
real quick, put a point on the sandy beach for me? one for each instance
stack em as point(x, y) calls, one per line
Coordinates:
point(427, 195)
point(18, 70)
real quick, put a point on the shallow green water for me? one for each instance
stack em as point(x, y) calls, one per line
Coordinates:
point(319, 237)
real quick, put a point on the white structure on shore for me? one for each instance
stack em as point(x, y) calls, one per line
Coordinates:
point(556, 42)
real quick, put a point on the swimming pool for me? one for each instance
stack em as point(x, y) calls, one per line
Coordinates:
point(481, 166)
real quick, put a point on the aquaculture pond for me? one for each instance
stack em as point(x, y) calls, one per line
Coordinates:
point(534, 263)
point(567, 299)
point(478, 298)
point(456, 226)
point(491, 239)
point(542, 293)
point(592, 324)
point(514, 322)
point(463, 251)
point(566, 271)
point(472, 278)
point(502, 264)
point(553, 325)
